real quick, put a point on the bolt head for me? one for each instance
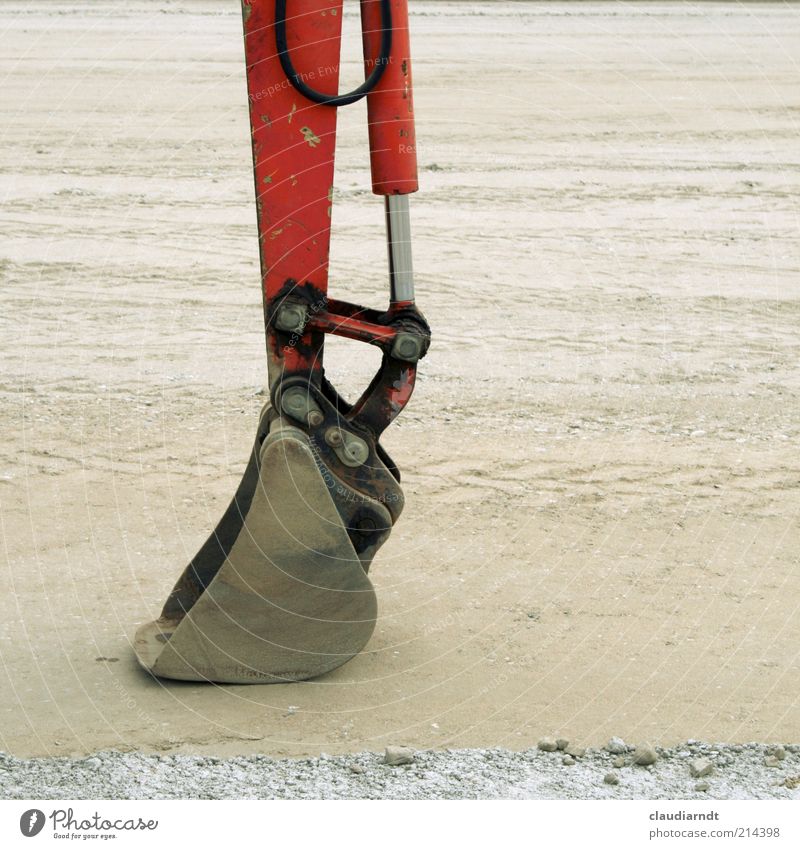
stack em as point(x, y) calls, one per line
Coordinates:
point(315, 418)
point(407, 347)
point(357, 450)
point(295, 404)
point(291, 318)
point(334, 437)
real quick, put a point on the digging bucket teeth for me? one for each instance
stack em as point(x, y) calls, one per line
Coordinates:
point(280, 590)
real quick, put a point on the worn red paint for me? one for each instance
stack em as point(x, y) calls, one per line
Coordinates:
point(294, 143)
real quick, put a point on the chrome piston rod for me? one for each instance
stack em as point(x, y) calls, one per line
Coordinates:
point(398, 233)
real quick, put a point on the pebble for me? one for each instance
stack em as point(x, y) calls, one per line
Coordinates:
point(777, 752)
point(619, 762)
point(568, 760)
point(575, 751)
point(771, 761)
point(611, 778)
point(357, 769)
point(398, 755)
point(547, 744)
point(701, 767)
point(562, 743)
point(93, 763)
point(702, 786)
point(645, 755)
point(616, 746)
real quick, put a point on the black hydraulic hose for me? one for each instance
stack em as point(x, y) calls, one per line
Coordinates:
point(334, 99)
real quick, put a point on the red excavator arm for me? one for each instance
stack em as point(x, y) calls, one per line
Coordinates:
point(280, 590)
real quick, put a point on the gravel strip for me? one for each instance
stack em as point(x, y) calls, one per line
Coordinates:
point(739, 772)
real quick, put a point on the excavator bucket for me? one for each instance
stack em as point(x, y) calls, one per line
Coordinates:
point(286, 594)
point(280, 590)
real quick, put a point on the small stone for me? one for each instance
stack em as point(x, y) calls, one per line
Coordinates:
point(562, 743)
point(771, 761)
point(357, 769)
point(547, 744)
point(568, 760)
point(645, 755)
point(702, 786)
point(792, 782)
point(398, 755)
point(575, 751)
point(611, 778)
point(93, 763)
point(619, 762)
point(777, 752)
point(616, 746)
point(701, 767)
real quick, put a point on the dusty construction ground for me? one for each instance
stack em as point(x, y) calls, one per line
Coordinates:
point(601, 460)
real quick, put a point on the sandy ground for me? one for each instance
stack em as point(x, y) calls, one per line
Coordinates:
point(601, 460)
